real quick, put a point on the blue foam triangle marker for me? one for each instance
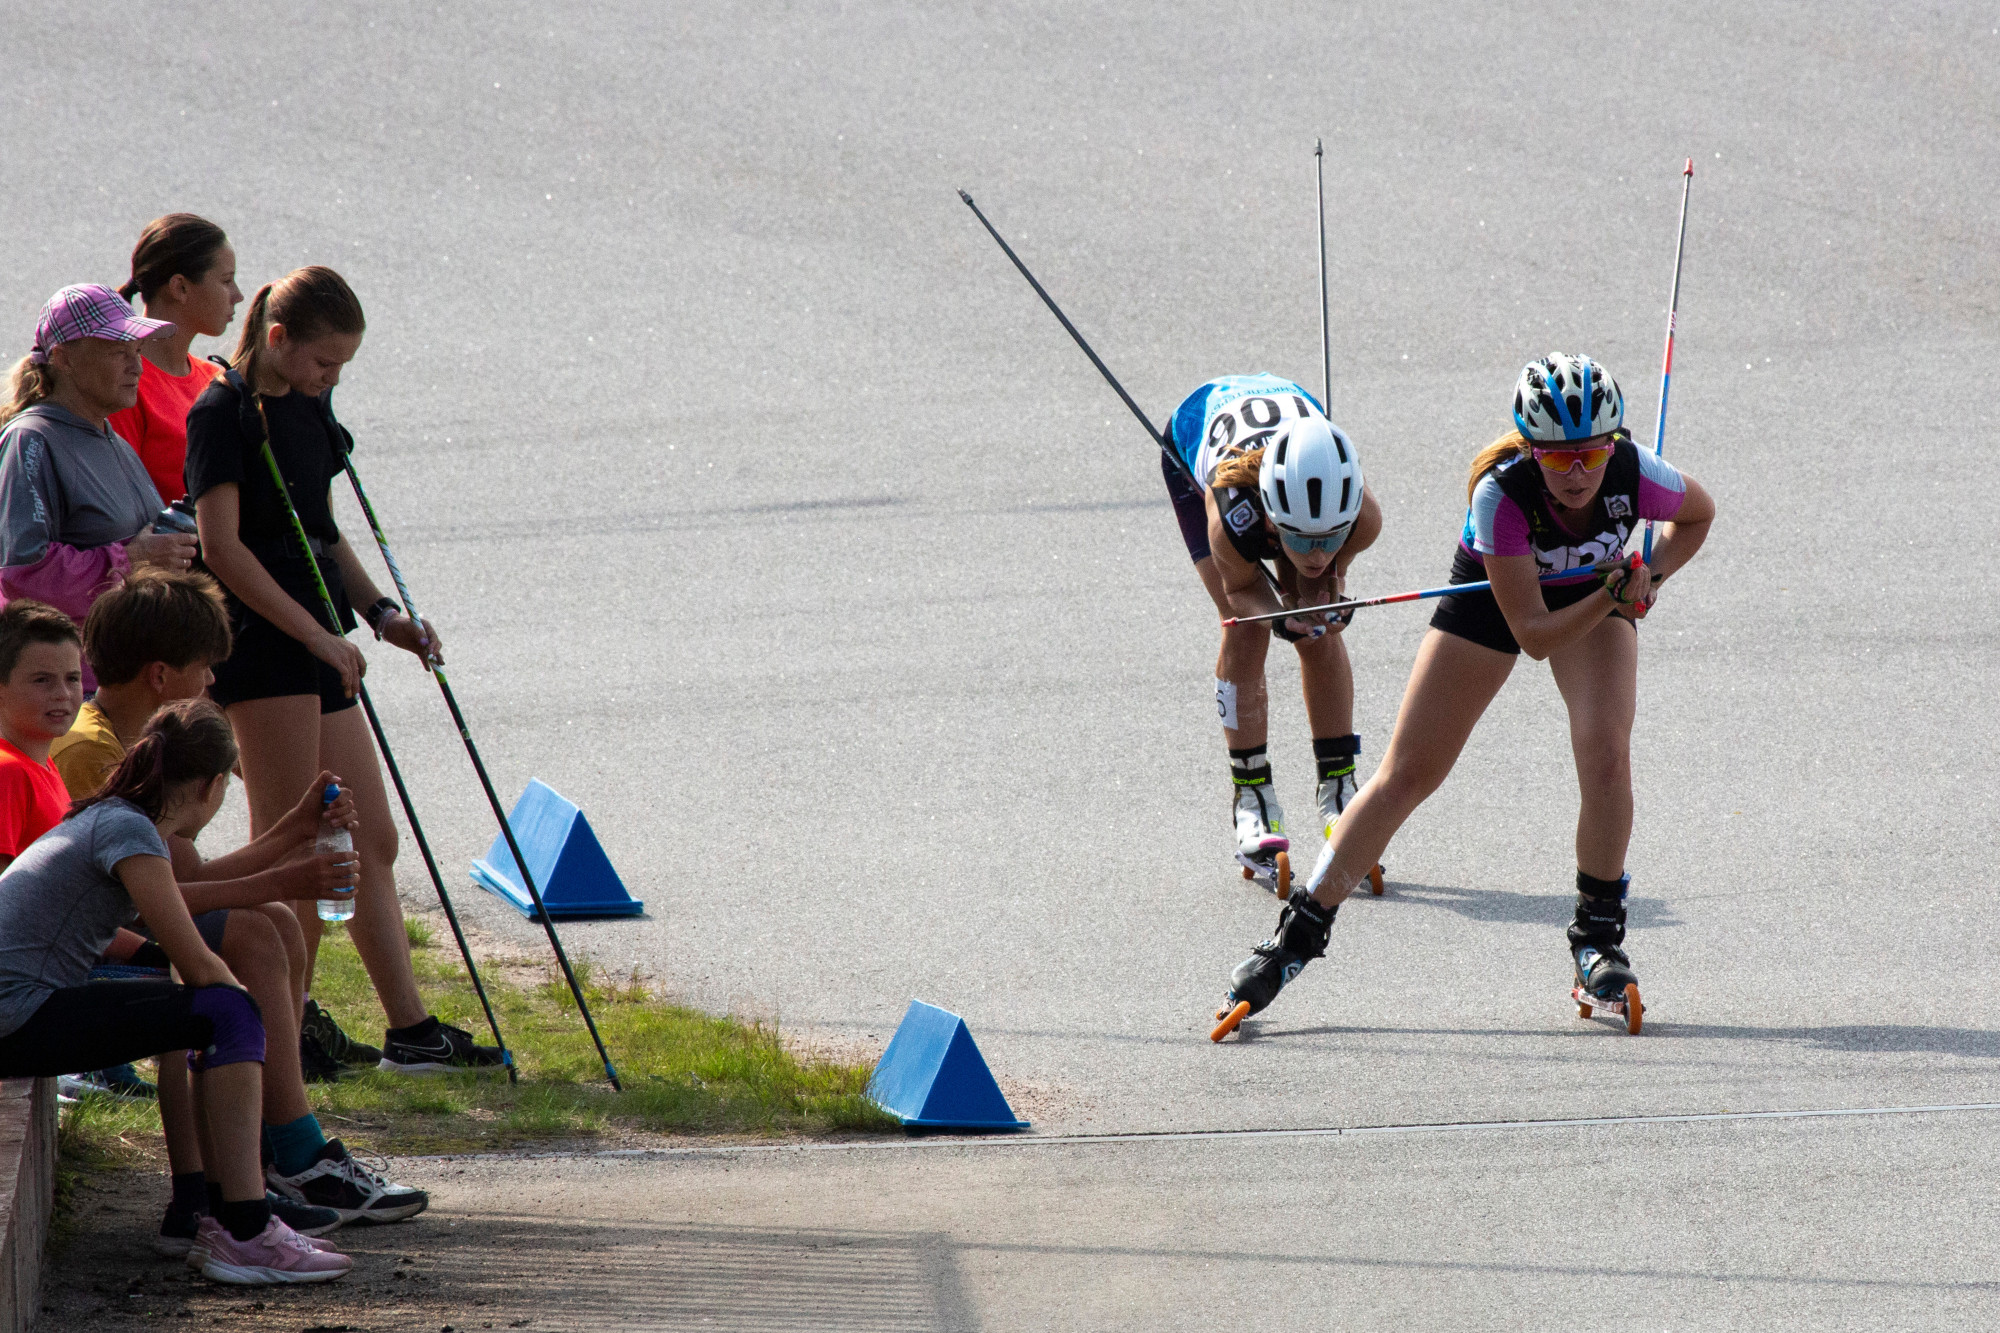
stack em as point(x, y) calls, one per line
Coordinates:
point(933, 1076)
point(575, 877)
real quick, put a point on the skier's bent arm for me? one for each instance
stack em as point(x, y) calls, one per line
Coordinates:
point(1681, 536)
point(1517, 587)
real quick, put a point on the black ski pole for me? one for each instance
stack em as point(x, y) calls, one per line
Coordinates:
point(395, 773)
point(430, 864)
point(1166, 446)
point(485, 782)
point(1325, 341)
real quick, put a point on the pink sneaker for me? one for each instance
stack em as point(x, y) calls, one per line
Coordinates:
point(276, 1254)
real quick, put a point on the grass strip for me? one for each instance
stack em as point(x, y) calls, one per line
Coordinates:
point(685, 1072)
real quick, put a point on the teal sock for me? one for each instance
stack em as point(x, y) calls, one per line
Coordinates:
point(294, 1146)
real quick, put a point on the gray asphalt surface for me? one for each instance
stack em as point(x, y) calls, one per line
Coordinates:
point(769, 516)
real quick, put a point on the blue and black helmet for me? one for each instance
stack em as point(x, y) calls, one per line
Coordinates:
point(1566, 397)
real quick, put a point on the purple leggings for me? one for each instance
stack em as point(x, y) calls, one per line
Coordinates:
point(106, 1023)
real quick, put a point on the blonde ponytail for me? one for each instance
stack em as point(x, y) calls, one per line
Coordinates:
point(1509, 446)
point(30, 382)
point(1240, 470)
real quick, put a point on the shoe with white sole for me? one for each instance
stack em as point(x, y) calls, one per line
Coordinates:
point(432, 1047)
point(275, 1255)
point(356, 1192)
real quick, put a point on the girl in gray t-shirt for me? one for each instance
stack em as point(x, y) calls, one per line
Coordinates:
point(62, 900)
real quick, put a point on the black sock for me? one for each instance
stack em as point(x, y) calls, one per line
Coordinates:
point(1250, 767)
point(1334, 755)
point(1592, 887)
point(190, 1192)
point(423, 1029)
point(213, 1188)
point(244, 1220)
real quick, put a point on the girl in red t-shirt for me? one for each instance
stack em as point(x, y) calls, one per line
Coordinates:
point(182, 264)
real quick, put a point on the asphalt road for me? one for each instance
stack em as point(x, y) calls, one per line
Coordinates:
point(769, 516)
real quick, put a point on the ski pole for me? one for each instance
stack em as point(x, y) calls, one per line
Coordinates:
point(1325, 343)
point(1673, 312)
point(1597, 570)
point(395, 773)
point(1166, 447)
point(486, 783)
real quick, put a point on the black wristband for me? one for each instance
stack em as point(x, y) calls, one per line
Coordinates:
point(382, 609)
point(1278, 628)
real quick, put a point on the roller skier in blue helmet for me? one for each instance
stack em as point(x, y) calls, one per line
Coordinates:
point(1563, 490)
point(1260, 475)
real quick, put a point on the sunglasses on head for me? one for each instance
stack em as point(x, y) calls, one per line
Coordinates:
point(1332, 541)
point(1562, 460)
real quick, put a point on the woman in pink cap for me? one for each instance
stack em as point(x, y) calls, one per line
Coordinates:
point(76, 504)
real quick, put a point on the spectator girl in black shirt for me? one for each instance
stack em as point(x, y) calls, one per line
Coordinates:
point(289, 687)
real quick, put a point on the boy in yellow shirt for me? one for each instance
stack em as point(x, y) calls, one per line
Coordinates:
point(157, 636)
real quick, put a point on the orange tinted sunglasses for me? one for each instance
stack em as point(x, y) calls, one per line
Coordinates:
point(1562, 460)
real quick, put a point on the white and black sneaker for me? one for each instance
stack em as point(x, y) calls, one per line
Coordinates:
point(359, 1194)
point(431, 1047)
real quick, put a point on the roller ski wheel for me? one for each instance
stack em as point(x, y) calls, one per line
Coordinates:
point(1303, 929)
point(1272, 870)
point(1375, 881)
point(1628, 1006)
point(1229, 1018)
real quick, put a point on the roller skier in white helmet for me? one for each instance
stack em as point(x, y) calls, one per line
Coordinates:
point(1265, 476)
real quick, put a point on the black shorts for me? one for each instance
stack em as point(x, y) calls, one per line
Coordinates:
point(268, 663)
point(1190, 508)
point(1476, 616)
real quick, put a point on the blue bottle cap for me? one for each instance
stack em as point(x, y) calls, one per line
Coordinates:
point(331, 794)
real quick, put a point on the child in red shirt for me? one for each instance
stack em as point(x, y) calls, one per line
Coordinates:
point(41, 689)
point(184, 264)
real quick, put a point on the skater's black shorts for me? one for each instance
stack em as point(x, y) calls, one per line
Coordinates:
point(1477, 616)
point(267, 663)
point(1190, 509)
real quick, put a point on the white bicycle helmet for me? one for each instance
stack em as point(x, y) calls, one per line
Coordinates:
point(1310, 481)
point(1566, 397)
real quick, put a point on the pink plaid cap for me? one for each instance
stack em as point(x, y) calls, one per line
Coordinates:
point(89, 310)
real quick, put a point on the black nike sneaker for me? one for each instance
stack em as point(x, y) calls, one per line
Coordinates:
point(432, 1047)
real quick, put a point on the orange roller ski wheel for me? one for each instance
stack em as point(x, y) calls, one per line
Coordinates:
point(1231, 1020)
point(1635, 1011)
point(1375, 881)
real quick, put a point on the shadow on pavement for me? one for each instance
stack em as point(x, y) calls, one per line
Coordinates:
point(1507, 907)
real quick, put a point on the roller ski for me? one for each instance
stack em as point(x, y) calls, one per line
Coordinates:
point(1605, 980)
point(1335, 758)
point(1303, 929)
point(1262, 848)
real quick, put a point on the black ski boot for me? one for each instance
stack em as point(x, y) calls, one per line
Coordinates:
point(1604, 976)
point(1303, 930)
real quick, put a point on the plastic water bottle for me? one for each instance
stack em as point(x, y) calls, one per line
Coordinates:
point(333, 840)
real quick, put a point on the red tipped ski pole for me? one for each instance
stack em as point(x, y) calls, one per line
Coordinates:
point(1673, 313)
point(1560, 576)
